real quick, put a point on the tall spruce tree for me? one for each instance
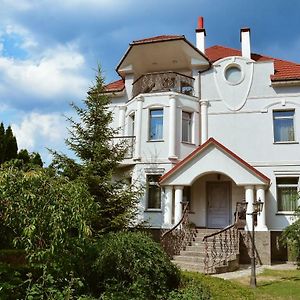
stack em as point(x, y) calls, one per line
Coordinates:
point(98, 159)
point(11, 147)
point(2, 143)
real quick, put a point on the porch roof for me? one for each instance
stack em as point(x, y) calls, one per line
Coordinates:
point(211, 157)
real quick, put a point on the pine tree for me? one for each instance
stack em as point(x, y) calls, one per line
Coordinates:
point(11, 147)
point(2, 143)
point(90, 140)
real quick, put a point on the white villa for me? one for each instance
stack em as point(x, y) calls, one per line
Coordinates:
point(211, 126)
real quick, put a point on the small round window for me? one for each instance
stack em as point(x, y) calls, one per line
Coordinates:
point(233, 74)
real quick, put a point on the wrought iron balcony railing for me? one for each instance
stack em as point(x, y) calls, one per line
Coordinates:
point(128, 141)
point(162, 82)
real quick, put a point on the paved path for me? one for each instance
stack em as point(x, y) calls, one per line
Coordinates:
point(246, 270)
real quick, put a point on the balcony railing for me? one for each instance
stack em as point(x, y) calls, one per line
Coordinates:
point(128, 141)
point(162, 82)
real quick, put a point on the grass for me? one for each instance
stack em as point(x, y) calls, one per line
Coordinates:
point(276, 284)
point(271, 284)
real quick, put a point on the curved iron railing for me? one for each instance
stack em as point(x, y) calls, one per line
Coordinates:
point(220, 247)
point(162, 82)
point(179, 236)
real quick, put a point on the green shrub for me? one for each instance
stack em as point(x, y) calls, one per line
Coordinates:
point(191, 288)
point(130, 265)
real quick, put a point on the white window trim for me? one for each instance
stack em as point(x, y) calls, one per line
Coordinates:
point(187, 110)
point(280, 174)
point(294, 127)
point(147, 209)
point(149, 126)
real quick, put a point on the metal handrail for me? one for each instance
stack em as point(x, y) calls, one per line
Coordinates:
point(219, 232)
point(184, 214)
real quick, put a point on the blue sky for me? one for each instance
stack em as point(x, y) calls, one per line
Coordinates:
point(49, 50)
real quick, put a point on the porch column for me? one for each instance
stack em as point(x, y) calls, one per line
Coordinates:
point(178, 203)
point(249, 197)
point(261, 219)
point(168, 206)
point(122, 110)
point(204, 121)
point(172, 127)
point(138, 128)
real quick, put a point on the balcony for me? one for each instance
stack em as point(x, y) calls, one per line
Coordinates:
point(163, 82)
point(128, 142)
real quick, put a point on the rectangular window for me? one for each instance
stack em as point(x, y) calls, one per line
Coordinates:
point(186, 127)
point(131, 125)
point(156, 124)
point(287, 193)
point(284, 126)
point(153, 192)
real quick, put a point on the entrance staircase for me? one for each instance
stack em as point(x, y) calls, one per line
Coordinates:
point(194, 256)
point(203, 250)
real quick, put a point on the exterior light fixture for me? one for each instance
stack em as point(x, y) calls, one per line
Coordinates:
point(257, 209)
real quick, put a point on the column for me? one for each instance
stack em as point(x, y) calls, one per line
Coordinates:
point(122, 110)
point(168, 206)
point(261, 218)
point(178, 204)
point(249, 197)
point(204, 121)
point(172, 127)
point(138, 128)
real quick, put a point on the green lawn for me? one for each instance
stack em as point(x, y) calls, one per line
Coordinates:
point(271, 285)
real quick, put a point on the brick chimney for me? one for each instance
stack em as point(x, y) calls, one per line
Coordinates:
point(200, 35)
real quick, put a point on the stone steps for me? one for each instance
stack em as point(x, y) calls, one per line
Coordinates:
point(192, 257)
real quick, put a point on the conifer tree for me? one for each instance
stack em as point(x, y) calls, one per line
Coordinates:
point(98, 159)
point(2, 143)
point(11, 147)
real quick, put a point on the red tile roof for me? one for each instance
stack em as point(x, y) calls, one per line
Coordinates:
point(115, 86)
point(159, 38)
point(212, 141)
point(284, 70)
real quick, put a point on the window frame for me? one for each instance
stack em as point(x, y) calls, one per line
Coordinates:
point(150, 118)
point(153, 184)
point(274, 118)
point(190, 127)
point(286, 185)
point(131, 124)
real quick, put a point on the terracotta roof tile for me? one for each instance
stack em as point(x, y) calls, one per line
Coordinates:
point(158, 38)
point(115, 86)
point(284, 70)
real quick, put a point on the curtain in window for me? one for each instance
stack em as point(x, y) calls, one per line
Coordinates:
point(284, 130)
point(287, 198)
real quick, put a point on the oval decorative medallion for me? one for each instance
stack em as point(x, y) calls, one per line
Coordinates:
point(233, 79)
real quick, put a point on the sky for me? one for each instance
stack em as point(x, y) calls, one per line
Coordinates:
point(50, 49)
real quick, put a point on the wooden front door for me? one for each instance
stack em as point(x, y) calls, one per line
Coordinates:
point(218, 204)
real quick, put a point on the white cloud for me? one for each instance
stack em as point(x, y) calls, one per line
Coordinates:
point(37, 131)
point(59, 72)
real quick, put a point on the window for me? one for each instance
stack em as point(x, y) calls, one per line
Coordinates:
point(153, 192)
point(233, 74)
point(156, 124)
point(131, 125)
point(284, 126)
point(287, 193)
point(186, 127)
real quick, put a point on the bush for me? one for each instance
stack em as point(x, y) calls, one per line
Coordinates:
point(130, 265)
point(191, 288)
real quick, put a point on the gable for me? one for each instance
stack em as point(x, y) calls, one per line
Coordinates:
point(213, 157)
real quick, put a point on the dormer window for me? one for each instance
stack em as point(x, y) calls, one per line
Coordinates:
point(156, 124)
